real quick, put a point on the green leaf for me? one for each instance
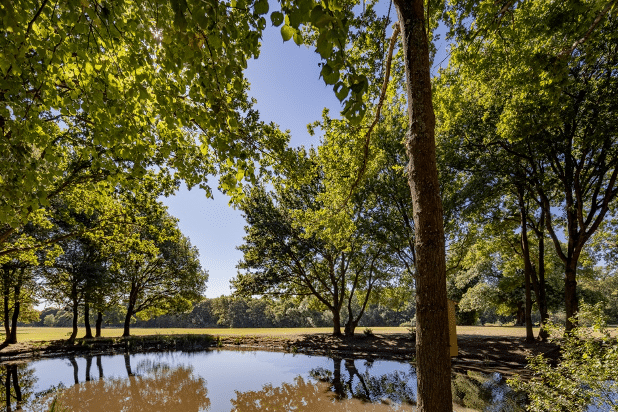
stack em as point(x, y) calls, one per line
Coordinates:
point(229, 72)
point(261, 7)
point(276, 18)
point(298, 38)
point(287, 32)
point(330, 76)
point(324, 46)
point(341, 91)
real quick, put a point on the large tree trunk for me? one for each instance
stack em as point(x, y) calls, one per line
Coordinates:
point(336, 322)
point(350, 327)
point(525, 249)
point(98, 324)
point(87, 320)
point(433, 360)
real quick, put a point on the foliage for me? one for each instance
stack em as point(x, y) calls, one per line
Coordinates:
point(155, 268)
point(586, 373)
point(524, 86)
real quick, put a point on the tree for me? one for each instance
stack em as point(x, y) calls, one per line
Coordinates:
point(554, 116)
point(94, 92)
point(70, 277)
point(155, 267)
point(281, 258)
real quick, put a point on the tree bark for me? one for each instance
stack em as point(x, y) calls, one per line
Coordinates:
point(98, 324)
point(433, 361)
point(336, 322)
point(87, 320)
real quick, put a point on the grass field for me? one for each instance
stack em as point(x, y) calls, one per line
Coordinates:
point(46, 334)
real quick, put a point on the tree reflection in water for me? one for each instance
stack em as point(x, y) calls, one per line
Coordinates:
point(18, 382)
point(152, 387)
point(334, 391)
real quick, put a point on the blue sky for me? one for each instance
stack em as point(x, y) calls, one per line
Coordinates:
point(286, 84)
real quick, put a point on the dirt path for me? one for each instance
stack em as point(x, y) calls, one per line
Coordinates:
point(493, 353)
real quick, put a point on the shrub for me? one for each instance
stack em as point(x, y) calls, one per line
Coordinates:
point(585, 375)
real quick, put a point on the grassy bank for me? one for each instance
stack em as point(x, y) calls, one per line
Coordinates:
point(25, 334)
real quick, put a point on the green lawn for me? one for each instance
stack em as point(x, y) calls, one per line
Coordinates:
point(46, 334)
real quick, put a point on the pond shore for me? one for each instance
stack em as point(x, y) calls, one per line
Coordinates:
point(484, 353)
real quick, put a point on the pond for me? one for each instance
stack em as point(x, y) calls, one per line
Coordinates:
point(227, 380)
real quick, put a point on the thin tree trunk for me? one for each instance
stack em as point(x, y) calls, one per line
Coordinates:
point(6, 294)
point(433, 360)
point(542, 297)
point(17, 306)
point(75, 314)
point(127, 321)
point(87, 320)
point(525, 249)
point(98, 324)
point(570, 294)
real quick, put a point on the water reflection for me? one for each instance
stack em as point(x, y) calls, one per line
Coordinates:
point(304, 395)
point(18, 381)
point(153, 387)
point(241, 381)
point(397, 386)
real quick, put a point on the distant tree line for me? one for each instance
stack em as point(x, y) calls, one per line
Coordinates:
point(241, 312)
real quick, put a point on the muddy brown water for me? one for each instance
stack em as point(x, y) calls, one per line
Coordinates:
point(226, 380)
